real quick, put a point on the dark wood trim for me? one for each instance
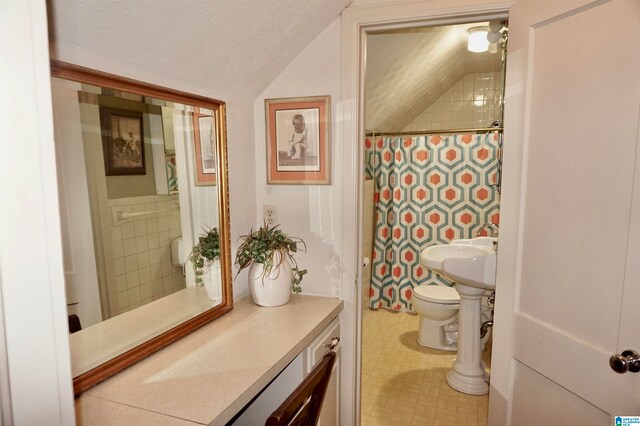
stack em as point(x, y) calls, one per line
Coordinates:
point(104, 371)
point(86, 75)
point(103, 79)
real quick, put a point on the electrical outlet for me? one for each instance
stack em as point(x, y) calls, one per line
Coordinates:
point(270, 215)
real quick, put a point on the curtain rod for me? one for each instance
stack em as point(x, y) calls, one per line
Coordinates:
point(433, 132)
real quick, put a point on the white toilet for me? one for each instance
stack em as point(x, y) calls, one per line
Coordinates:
point(438, 306)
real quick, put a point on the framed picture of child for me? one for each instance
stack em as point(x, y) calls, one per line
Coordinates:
point(298, 140)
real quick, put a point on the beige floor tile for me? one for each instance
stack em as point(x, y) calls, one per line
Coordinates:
point(424, 411)
point(404, 383)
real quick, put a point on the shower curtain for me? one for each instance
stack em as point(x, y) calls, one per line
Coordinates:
point(429, 190)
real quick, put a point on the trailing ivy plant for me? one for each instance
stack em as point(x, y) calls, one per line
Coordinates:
point(207, 250)
point(260, 245)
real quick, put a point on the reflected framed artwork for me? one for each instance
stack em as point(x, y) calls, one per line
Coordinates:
point(298, 140)
point(122, 142)
point(205, 139)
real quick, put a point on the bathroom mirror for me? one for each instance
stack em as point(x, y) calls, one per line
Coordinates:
point(142, 174)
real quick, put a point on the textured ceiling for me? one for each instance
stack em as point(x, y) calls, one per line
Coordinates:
point(234, 46)
point(409, 69)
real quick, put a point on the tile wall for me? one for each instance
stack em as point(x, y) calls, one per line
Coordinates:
point(142, 250)
point(474, 101)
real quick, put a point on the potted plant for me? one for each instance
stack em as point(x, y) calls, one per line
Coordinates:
point(205, 257)
point(273, 271)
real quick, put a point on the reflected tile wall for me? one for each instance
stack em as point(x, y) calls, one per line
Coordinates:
point(142, 251)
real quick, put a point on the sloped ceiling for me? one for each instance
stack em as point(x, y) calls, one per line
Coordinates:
point(234, 46)
point(407, 70)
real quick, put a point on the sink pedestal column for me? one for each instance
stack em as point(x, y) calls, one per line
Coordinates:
point(467, 376)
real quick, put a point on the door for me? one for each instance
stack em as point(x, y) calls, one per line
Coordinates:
point(568, 284)
point(81, 279)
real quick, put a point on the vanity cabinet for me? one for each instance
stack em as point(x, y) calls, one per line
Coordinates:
point(270, 398)
point(233, 371)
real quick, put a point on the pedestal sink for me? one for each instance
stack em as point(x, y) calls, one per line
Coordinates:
point(471, 265)
point(470, 262)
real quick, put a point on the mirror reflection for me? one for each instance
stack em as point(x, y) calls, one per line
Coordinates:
point(138, 181)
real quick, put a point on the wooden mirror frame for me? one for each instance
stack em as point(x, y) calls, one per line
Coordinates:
point(120, 362)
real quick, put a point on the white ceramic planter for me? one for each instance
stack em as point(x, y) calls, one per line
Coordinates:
point(212, 280)
point(273, 289)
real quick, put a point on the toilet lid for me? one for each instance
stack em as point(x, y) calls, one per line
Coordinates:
point(437, 294)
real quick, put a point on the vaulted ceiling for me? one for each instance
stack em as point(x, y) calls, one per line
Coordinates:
point(238, 47)
point(407, 70)
point(234, 46)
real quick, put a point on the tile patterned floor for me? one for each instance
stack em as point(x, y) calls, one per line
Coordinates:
point(404, 383)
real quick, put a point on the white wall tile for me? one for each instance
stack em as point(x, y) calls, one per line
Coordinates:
point(460, 97)
point(154, 256)
point(156, 287)
point(156, 271)
point(140, 228)
point(121, 284)
point(153, 241)
point(143, 259)
point(119, 267)
point(144, 275)
point(145, 292)
point(116, 234)
point(128, 230)
point(152, 225)
point(131, 263)
point(123, 300)
point(142, 244)
point(129, 246)
point(134, 295)
point(117, 249)
point(133, 280)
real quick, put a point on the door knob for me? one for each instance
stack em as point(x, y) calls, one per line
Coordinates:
point(334, 342)
point(627, 361)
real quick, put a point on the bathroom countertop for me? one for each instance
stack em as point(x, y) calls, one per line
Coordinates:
point(211, 374)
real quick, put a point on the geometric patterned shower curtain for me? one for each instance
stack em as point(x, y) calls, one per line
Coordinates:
point(429, 190)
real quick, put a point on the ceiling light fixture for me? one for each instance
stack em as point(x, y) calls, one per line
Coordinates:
point(477, 40)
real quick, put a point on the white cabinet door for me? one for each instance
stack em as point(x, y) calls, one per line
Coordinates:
point(570, 239)
point(330, 412)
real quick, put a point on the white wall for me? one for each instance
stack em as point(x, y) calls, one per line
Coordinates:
point(240, 132)
point(311, 212)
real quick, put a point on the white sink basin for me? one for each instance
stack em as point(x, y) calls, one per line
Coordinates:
point(470, 262)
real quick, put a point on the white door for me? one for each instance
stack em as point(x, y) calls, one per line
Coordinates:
point(568, 289)
point(81, 279)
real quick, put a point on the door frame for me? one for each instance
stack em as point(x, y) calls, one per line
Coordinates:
point(357, 22)
point(35, 367)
